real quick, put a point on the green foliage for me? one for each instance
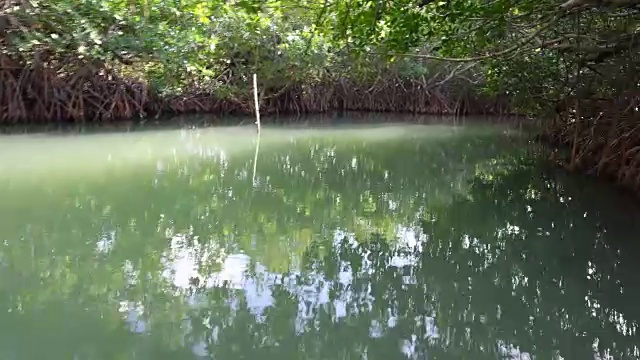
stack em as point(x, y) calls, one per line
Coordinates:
point(529, 48)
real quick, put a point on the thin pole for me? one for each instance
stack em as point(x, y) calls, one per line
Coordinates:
point(255, 98)
point(257, 106)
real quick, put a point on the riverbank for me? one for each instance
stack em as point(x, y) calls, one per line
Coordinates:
point(598, 137)
point(36, 94)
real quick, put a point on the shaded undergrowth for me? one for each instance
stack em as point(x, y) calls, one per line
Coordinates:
point(601, 137)
point(41, 94)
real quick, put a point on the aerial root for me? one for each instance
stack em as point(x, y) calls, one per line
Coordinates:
point(52, 94)
point(36, 94)
point(603, 135)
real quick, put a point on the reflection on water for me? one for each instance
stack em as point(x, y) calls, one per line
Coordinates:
point(392, 242)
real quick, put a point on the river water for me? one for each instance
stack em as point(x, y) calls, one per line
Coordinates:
point(344, 242)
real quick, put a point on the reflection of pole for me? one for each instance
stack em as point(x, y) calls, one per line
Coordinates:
point(255, 99)
point(255, 158)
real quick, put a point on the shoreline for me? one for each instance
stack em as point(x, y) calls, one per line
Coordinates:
point(556, 154)
point(332, 118)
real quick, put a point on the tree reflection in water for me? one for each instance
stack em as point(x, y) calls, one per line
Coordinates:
point(338, 251)
point(514, 267)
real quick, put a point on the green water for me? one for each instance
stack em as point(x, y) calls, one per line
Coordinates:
point(351, 242)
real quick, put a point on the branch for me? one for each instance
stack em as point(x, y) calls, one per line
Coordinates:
point(583, 4)
point(457, 70)
point(599, 50)
point(513, 48)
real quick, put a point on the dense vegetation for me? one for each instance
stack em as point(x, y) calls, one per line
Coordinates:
point(117, 59)
point(575, 63)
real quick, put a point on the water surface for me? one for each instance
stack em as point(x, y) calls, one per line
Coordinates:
point(349, 242)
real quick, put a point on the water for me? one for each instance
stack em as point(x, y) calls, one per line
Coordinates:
point(351, 242)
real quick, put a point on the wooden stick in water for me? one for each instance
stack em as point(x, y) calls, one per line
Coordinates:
point(257, 105)
point(255, 98)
